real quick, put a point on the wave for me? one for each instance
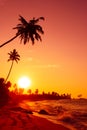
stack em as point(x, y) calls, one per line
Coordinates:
point(72, 113)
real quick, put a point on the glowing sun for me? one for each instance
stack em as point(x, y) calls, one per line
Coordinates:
point(24, 82)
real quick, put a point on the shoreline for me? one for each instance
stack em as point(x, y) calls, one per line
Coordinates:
point(13, 118)
point(45, 124)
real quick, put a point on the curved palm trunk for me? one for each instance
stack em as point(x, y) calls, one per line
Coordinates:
point(9, 41)
point(9, 71)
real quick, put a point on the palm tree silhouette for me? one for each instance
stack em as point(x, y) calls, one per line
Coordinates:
point(13, 56)
point(27, 30)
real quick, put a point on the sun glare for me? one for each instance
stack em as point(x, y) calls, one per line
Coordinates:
point(24, 82)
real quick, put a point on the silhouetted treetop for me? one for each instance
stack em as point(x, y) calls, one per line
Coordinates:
point(13, 56)
point(28, 30)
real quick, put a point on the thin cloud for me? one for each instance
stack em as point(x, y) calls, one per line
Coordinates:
point(47, 66)
point(26, 60)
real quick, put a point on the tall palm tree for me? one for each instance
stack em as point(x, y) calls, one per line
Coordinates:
point(13, 56)
point(27, 30)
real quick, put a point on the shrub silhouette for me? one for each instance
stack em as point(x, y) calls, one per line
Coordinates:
point(4, 92)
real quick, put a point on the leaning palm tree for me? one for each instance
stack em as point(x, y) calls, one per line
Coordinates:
point(13, 56)
point(27, 30)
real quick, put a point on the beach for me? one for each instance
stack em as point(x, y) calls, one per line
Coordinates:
point(16, 118)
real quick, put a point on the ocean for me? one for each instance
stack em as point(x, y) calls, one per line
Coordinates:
point(68, 112)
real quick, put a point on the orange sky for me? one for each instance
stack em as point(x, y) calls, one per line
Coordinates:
point(59, 62)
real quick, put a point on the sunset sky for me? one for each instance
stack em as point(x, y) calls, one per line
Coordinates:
point(59, 62)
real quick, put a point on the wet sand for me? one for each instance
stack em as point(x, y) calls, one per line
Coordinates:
point(16, 118)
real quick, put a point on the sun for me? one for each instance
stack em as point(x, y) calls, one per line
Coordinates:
point(24, 82)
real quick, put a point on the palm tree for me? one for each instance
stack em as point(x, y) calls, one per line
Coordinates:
point(13, 56)
point(36, 91)
point(27, 30)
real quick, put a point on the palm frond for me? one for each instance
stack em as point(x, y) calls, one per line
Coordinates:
point(39, 29)
point(29, 30)
point(40, 18)
point(38, 37)
point(23, 21)
point(13, 55)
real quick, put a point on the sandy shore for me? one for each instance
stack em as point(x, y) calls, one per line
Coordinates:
point(18, 119)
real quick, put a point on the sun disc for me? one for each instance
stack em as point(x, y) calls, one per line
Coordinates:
point(24, 82)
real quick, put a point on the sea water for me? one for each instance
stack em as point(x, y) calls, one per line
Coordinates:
point(69, 112)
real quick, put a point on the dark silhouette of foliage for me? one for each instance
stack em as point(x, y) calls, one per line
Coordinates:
point(29, 91)
point(20, 90)
point(44, 96)
point(27, 30)
point(36, 91)
point(13, 56)
point(4, 91)
point(15, 89)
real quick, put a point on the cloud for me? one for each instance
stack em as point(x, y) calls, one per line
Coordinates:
point(47, 66)
point(28, 59)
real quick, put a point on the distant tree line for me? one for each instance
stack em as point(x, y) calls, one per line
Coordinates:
point(39, 96)
point(49, 96)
